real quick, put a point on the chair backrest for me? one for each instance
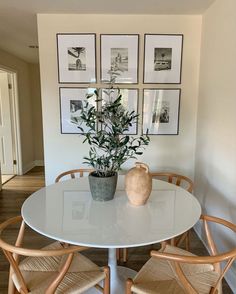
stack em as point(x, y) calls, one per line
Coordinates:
point(206, 219)
point(176, 179)
point(73, 172)
point(215, 258)
point(12, 253)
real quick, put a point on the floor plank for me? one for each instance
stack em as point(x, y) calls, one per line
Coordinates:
point(19, 188)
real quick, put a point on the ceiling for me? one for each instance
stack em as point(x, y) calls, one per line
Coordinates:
point(18, 25)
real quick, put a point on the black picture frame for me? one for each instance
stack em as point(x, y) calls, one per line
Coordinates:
point(71, 102)
point(115, 49)
point(74, 68)
point(161, 111)
point(163, 54)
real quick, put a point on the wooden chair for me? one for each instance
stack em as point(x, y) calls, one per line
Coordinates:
point(72, 173)
point(174, 270)
point(56, 268)
point(178, 180)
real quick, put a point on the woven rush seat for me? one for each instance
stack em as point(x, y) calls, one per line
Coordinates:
point(159, 276)
point(39, 272)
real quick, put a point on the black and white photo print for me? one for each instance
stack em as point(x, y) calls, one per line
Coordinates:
point(162, 58)
point(77, 58)
point(119, 59)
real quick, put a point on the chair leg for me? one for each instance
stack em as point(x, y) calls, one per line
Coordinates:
point(122, 254)
point(125, 254)
point(184, 238)
point(172, 242)
point(129, 284)
point(107, 280)
point(187, 241)
point(11, 286)
point(118, 254)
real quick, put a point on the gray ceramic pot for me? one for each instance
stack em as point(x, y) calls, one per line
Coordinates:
point(102, 189)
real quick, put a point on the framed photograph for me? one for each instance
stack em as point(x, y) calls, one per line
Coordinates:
point(120, 53)
point(76, 58)
point(129, 101)
point(163, 59)
point(161, 111)
point(72, 101)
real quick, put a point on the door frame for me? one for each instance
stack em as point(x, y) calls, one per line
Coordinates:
point(15, 118)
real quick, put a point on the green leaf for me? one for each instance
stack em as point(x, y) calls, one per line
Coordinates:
point(88, 96)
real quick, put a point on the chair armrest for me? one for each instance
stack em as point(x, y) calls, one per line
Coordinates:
point(193, 259)
point(40, 252)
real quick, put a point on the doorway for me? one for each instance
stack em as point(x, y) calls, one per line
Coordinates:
point(9, 126)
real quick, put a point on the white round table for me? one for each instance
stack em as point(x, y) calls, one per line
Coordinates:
point(66, 212)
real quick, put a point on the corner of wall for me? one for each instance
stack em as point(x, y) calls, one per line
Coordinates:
point(27, 167)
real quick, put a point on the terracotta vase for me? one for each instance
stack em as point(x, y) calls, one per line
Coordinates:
point(138, 184)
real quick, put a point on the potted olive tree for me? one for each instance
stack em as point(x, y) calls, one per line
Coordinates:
point(109, 147)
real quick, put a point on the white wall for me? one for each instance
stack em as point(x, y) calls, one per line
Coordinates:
point(175, 153)
point(215, 184)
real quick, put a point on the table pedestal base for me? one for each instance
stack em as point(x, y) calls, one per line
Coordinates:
point(119, 275)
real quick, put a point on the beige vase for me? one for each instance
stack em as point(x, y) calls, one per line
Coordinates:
point(138, 184)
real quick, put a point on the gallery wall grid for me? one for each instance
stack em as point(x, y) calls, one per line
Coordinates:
point(79, 70)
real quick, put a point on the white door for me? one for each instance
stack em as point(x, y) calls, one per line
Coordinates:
point(6, 143)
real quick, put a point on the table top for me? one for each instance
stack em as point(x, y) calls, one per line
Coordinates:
point(66, 212)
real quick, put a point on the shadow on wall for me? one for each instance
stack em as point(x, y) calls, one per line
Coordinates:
point(215, 201)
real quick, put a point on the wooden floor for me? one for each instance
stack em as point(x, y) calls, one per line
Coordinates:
point(11, 199)
point(6, 178)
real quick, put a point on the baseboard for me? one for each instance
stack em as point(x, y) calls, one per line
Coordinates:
point(31, 165)
point(230, 277)
point(39, 162)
